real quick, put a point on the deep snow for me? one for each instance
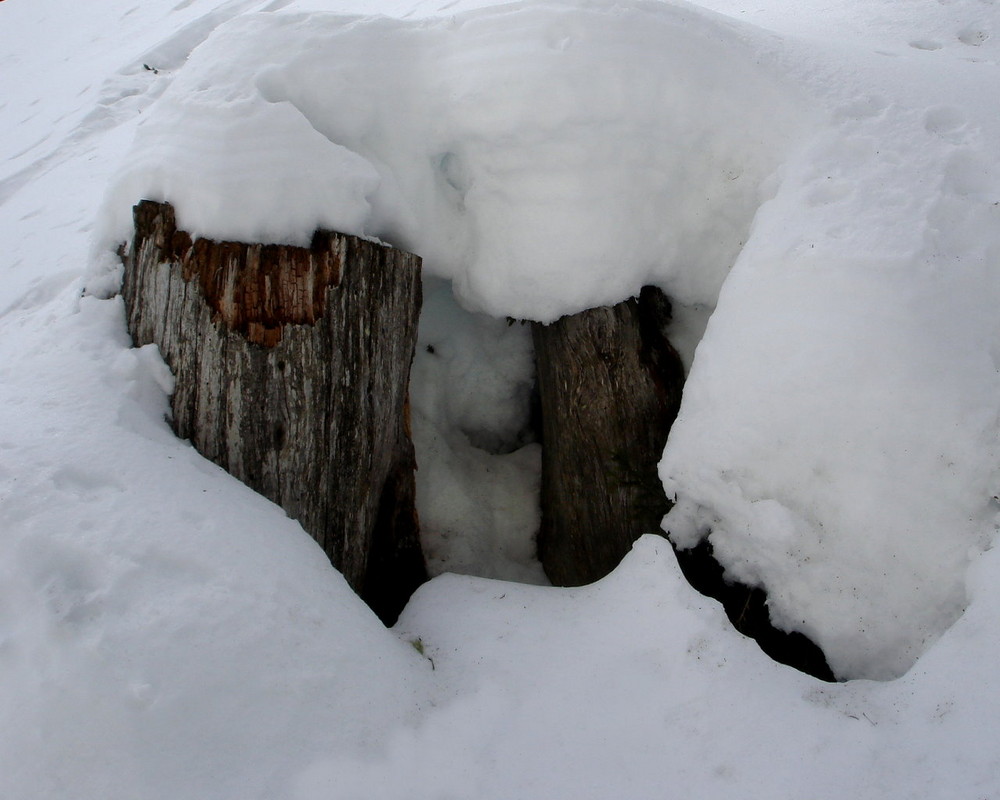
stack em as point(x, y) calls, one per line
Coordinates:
point(825, 178)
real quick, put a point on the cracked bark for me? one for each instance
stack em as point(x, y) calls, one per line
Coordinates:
point(292, 367)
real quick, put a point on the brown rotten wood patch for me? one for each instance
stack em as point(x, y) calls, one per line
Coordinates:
point(292, 366)
point(255, 289)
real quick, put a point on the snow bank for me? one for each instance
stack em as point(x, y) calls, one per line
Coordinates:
point(166, 633)
point(163, 628)
point(545, 157)
point(839, 432)
point(636, 687)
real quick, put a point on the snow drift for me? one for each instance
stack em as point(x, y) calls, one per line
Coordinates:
point(166, 633)
point(838, 434)
point(545, 158)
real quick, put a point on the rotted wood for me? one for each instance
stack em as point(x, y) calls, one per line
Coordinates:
point(292, 366)
point(610, 385)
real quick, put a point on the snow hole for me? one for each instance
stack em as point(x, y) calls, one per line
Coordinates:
point(476, 431)
point(472, 396)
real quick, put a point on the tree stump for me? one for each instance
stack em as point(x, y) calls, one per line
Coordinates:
point(292, 369)
point(610, 384)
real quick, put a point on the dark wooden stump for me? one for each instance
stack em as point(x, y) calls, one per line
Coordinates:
point(610, 386)
point(292, 366)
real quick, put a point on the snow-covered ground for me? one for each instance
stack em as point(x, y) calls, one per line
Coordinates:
point(822, 180)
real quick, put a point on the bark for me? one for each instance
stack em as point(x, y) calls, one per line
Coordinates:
point(610, 386)
point(292, 366)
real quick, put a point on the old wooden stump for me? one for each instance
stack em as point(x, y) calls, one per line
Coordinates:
point(610, 385)
point(292, 367)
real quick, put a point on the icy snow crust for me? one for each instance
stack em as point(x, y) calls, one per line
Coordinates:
point(165, 633)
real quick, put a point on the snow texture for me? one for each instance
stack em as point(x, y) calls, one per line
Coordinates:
point(823, 179)
point(542, 157)
point(479, 468)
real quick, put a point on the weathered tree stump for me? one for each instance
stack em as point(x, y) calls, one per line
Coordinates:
point(292, 368)
point(610, 385)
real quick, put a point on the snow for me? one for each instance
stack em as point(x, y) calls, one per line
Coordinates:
point(480, 468)
point(496, 144)
point(131, 598)
point(856, 474)
point(821, 179)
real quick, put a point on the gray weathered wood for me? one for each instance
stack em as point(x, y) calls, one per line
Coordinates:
point(292, 368)
point(610, 386)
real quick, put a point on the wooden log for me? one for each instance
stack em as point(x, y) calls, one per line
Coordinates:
point(292, 369)
point(610, 386)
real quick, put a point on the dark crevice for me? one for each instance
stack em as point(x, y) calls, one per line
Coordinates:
point(746, 607)
point(396, 566)
point(610, 385)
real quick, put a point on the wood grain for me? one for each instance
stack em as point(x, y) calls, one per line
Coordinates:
point(292, 368)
